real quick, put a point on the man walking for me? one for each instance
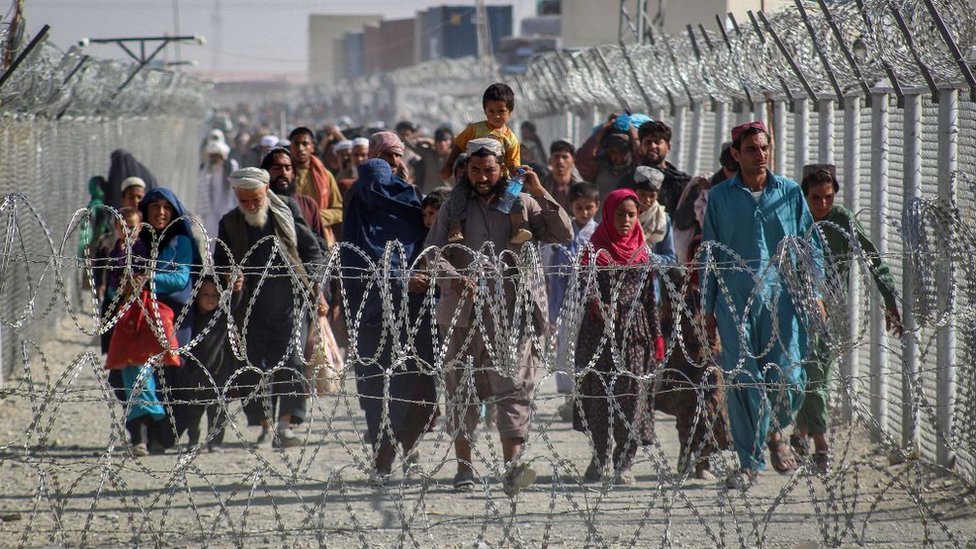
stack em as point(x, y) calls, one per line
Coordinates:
point(276, 297)
point(480, 369)
point(757, 320)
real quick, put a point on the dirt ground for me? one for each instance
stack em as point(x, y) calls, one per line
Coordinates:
point(67, 479)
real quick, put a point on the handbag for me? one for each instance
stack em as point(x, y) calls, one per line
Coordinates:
point(326, 366)
point(134, 341)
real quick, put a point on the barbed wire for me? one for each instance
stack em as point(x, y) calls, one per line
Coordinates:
point(320, 491)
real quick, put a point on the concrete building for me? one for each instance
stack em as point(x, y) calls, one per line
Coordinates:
point(389, 45)
point(586, 23)
point(325, 62)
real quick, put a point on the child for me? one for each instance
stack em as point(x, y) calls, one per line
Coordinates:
point(653, 218)
point(584, 199)
point(208, 369)
point(431, 204)
point(111, 266)
point(498, 102)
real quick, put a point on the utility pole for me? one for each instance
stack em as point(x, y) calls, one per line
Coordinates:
point(177, 52)
point(485, 50)
point(13, 34)
point(216, 23)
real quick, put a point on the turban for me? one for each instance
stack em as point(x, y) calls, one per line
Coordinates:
point(493, 146)
point(360, 142)
point(132, 182)
point(381, 142)
point(218, 147)
point(249, 179)
point(647, 178)
point(343, 145)
point(269, 141)
point(743, 128)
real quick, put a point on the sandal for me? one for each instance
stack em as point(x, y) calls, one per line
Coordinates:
point(780, 456)
point(821, 463)
point(800, 445)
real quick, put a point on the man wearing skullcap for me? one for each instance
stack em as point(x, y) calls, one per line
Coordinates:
point(487, 361)
point(455, 210)
point(274, 279)
point(314, 180)
point(358, 153)
point(214, 195)
point(748, 305)
point(255, 154)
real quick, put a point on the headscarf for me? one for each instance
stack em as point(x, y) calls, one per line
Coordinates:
point(383, 207)
point(121, 167)
point(380, 142)
point(612, 248)
point(181, 224)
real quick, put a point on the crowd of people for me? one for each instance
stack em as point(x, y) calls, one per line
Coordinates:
point(629, 245)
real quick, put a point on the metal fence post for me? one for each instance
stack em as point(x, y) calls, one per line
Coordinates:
point(721, 127)
point(801, 139)
point(679, 135)
point(946, 335)
point(852, 184)
point(779, 136)
point(694, 146)
point(879, 234)
point(825, 149)
point(913, 190)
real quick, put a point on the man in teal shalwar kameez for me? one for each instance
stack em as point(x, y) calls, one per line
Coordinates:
point(762, 337)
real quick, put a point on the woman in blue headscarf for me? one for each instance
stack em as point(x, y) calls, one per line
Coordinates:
point(167, 232)
point(390, 329)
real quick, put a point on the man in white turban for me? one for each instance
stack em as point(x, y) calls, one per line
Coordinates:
point(214, 196)
point(276, 301)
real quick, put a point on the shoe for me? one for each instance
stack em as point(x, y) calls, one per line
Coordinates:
point(800, 445)
point(821, 463)
point(521, 476)
point(263, 438)
point(454, 238)
point(625, 478)
point(566, 409)
point(464, 481)
point(156, 448)
point(286, 439)
point(742, 479)
point(215, 448)
point(521, 236)
point(594, 471)
point(411, 463)
point(140, 450)
point(379, 479)
point(702, 472)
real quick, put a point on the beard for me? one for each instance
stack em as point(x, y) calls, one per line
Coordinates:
point(283, 187)
point(259, 218)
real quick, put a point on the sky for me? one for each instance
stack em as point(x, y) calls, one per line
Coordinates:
point(262, 36)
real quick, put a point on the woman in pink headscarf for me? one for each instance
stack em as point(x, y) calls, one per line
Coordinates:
point(619, 344)
point(387, 146)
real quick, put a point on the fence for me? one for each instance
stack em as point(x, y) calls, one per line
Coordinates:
point(884, 89)
point(61, 115)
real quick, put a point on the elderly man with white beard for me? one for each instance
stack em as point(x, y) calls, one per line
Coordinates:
point(276, 299)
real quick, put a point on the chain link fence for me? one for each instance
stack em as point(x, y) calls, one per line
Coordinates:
point(884, 89)
point(61, 116)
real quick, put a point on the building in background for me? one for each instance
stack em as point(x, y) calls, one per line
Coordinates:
point(586, 23)
point(325, 60)
point(450, 31)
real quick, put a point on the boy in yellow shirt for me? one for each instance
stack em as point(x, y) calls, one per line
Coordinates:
point(498, 102)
